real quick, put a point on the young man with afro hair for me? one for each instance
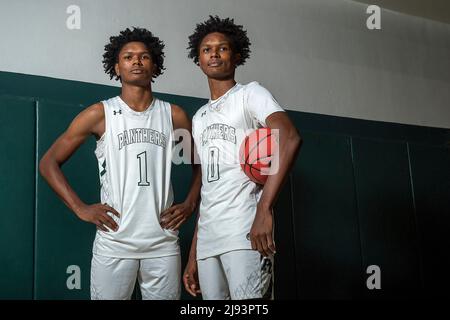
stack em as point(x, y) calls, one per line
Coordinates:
point(232, 250)
point(134, 133)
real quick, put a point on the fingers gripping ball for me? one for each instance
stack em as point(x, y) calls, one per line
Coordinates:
point(256, 154)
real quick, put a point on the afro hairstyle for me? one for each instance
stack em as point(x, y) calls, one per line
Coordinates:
point(240, 44)
point(116, 43)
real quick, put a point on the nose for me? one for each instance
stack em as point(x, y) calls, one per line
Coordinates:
point(214, 52)
point(137, 60)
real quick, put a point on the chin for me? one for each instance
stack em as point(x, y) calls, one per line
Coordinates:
point(140, 83)
point(140, 79)
point(219, 76)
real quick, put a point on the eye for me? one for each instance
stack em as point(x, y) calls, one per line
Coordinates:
point(223, 48)
point(127, 57)
point(205, 50)
point(146, 56)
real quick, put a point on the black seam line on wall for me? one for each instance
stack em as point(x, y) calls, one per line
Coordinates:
point(363, 271)
point(36, 178)
point(416, 219)
point(294, 237)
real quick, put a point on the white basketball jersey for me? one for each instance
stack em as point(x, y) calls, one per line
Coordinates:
point(134, 159)
point(228, 197)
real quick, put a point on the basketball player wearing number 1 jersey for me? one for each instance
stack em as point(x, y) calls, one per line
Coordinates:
point(134, 159)
point(232, 250)
point(137, 237)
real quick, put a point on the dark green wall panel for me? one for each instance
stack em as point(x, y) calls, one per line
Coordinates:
point(17, 163)
point(54, 89)
point(369, 128)
point(326, 226)
point(431, 181)
point(386, 215)
point(62, 239)
point(285, 271)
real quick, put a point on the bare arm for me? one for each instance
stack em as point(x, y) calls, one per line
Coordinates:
point(89, 121)
point(190, 275)
point(176, 215)
point(289, 146)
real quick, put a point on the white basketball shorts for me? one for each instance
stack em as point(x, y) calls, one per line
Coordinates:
point(236, 275)
point(114, 278)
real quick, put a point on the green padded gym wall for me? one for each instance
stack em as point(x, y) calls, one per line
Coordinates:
point(63, 240)
point(17, 195)
point(361, 193)
point(325, 219)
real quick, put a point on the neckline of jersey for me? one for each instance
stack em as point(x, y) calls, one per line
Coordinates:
point(138, 113)
point(215, 104)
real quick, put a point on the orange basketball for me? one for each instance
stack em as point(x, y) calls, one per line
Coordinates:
point(256, 154)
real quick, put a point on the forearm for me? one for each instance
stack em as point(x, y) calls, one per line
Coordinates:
point(289, 146)
point(196, 184)
point(194, 196)
point(193, 250)
point(51, 172)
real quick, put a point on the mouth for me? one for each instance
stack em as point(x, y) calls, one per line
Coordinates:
point(214, 63)
point(137, 71)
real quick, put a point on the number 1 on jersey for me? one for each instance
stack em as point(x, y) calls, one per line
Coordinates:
point(143, 179)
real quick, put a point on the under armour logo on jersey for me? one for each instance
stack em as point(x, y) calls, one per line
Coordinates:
point(203, 113)
point(117, 112)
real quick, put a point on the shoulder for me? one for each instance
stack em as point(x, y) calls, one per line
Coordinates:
point(94, 112)
point(176, 109)
point(91, 120)
point(199, 112)
point(111, 103)
point(97, 108)
point(252, 85)
point(180, 118)
point(255, 87)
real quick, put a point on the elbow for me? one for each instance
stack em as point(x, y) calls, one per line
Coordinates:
point(45, 165)
point(296, 140)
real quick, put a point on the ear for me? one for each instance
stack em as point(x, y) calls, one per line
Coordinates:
point(116, 68)
point(237, 58)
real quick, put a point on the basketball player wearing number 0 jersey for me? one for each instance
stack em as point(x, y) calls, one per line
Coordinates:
point(232, 249)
